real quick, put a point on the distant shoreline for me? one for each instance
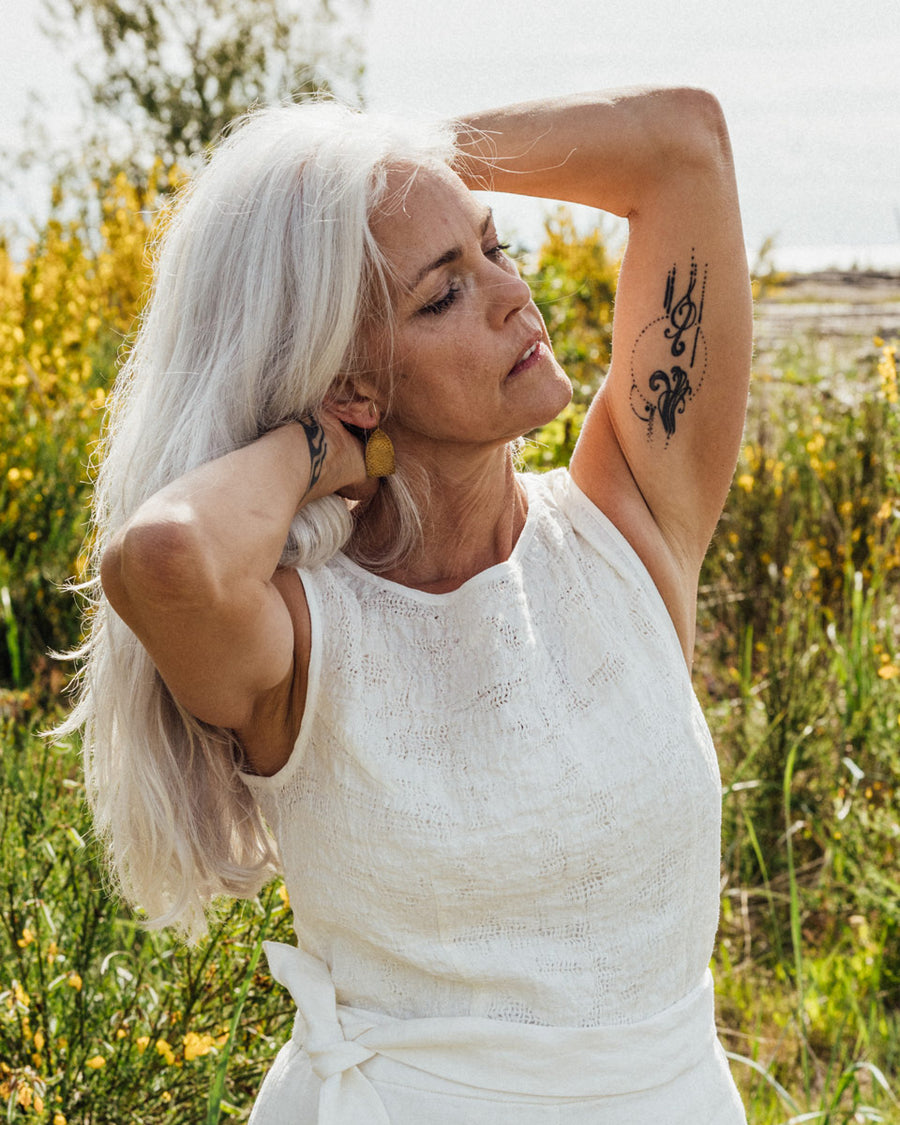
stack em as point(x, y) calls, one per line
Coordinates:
point(840, 311)
point(879, 284)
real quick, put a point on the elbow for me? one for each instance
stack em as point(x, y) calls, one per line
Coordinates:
point(687, 147)
point(697, 125)
point(152, 564)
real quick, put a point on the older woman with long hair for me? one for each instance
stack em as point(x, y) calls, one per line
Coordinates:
point(337, 633)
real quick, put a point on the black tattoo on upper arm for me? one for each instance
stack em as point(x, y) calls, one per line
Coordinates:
point(667, 393)
point(315, 438)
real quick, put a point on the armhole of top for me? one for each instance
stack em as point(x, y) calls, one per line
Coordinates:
point(603, 535)
point(313, 681)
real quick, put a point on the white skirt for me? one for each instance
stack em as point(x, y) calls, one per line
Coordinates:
point(346, 1066)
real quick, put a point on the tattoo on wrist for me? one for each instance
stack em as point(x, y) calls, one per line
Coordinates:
point(315, 439)
point(662, 394)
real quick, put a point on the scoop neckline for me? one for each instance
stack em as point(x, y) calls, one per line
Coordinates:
point(532, 499)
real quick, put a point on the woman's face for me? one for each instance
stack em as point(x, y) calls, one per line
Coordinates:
point(471, 360)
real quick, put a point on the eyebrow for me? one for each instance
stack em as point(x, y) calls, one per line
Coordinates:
point(451, 255)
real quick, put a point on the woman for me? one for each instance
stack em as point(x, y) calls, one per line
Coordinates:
point(471, 731)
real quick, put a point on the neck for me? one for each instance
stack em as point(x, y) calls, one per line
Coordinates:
point(472, 517)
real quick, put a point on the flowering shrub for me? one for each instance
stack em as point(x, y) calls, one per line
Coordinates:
point(64, 315)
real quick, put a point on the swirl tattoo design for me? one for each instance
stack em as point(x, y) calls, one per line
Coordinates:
point(664, 394)
point(672, 395)
point(315, 439)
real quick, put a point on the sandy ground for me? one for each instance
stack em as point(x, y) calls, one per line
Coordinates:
point(834, 314)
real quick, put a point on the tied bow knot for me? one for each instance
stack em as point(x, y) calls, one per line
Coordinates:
point(335, 1056)
point(346, 1096)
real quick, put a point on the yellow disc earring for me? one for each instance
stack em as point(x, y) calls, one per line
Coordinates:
point(379, 452)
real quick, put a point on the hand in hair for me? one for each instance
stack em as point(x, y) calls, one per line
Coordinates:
point(346, 445)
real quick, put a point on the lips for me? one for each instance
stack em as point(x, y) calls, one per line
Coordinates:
point(528, 357)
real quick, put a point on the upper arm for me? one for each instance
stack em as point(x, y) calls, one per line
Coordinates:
point(218, 650)
point(661, 440)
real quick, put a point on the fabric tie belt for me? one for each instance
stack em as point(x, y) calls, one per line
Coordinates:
point(488, 1055)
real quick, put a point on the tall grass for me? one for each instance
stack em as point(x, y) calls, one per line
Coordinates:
point(798, 662)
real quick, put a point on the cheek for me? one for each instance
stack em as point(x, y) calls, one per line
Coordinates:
point(426, 355)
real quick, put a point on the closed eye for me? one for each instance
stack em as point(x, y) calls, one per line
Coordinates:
point(497, 253)
point(442, 303)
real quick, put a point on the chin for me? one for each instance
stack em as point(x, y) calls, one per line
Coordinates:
point(547, 395)
point(559, 396)
point(548, 410)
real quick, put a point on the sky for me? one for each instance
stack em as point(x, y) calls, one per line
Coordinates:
point(810, 88)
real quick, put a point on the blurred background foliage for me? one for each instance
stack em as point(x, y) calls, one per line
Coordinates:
point(174, 73)
point(798, 666)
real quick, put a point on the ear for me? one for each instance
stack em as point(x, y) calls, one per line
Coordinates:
point(354, 409)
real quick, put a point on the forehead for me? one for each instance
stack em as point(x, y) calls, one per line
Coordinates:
point(426, 212)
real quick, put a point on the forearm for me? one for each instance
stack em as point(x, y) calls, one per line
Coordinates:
point(611, 149)
point(224, 523)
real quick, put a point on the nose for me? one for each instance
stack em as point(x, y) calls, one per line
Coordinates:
point(508, 292)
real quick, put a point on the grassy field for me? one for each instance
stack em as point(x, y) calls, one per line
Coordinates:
point(798, 668)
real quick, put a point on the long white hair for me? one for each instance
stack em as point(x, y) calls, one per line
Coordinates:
point(264, 272)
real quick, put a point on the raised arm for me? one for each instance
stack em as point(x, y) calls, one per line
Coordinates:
point(194, 575)
point(659, 445)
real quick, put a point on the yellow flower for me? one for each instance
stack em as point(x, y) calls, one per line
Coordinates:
point(887, 370)
point(745, 481)
point(195, 1046)
point(27, 935)
point(165, 1050)
point(74, 981)
point(59, 1119)
point(39, 1040)
point(38, 1104)
point(142, 1043)
point(816, 444)
point(96, 1062)
point(24, 1095)
point(888, 671)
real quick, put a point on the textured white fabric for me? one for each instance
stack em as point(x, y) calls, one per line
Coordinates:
point(493, 1057)
point(504, 802)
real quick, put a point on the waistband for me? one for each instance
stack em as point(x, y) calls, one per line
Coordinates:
point(493, 1056)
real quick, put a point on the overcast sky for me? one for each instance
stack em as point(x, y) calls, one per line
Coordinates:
point(811, 89)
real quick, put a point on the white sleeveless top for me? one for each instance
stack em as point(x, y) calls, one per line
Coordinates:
point(504, 801)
